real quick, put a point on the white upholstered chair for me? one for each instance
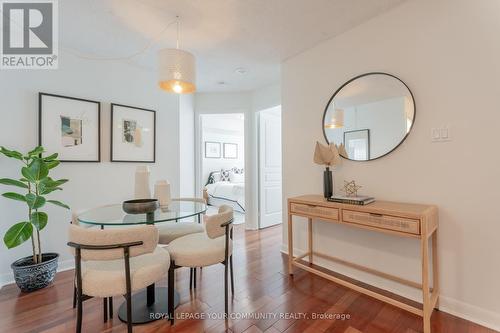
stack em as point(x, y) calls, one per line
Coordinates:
point(171, 231)
point(116, 262)
point(214, 246)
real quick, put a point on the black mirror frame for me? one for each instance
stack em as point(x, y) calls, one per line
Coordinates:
point(358, 77)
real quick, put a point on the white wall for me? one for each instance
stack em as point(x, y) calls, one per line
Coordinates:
point(447, 52)
point(91, 184)
point(219, 128)
point(186, 146)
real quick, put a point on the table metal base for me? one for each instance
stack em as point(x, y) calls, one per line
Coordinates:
point(142, 313)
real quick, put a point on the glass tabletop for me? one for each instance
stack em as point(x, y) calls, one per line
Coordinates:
point(114, 214)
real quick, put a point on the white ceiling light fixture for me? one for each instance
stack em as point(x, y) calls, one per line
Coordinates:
point(177, 69)
point(240, 70)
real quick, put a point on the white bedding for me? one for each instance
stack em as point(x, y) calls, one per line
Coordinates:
point(228, 190)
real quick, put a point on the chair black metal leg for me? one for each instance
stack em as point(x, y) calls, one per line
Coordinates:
point(190, 278)
point(105, 308)
point(128, 284)
point(110, 302)
point(232, 275)
point(74, 296)
point(226, 307)
point(171, 282)
point(79, 311)
point(194, 278)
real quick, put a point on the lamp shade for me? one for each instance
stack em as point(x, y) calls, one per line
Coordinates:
point(337, 119)
point(177, 71)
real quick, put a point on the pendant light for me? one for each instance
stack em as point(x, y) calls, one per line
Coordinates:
point(177, 69)
point(337, 120)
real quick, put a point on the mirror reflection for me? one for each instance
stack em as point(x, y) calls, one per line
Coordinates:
point(370, 115)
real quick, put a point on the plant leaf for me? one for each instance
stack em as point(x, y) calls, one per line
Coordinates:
point(28, 175)
point(11, 153)
point(14, 196)
point(38, 169)
point(58, 203)
point(13, 182)
point(37, 151)
point(52, 164)
point(18, 234)
point(50, 190)
point(35, 201)
point(39, 220)
point(51, 157)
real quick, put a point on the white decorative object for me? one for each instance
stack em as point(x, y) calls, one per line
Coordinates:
point(162, 193)
point(142, 188)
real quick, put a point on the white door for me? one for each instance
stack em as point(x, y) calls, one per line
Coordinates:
point(270, 197)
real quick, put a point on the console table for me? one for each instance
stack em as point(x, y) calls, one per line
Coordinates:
point(413, 221)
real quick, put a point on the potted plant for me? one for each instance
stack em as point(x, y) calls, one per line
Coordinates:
point(38, 270)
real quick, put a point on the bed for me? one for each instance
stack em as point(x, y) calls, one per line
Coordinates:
point(226, 187)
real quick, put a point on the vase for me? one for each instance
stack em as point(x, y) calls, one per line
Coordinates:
point(162, 193)
point(142, 189)
point(327, 183)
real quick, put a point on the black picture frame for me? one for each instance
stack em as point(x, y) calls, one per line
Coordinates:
point(358, 77)
point(230, 144)
point(367, 141)
point(40, 123)
point(112, 158)
point(206, 150)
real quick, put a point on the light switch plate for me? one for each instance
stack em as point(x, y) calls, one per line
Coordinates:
point(441, 134)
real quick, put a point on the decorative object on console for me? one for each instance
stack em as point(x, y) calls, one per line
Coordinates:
point(230, 150)
point(140, 206)
point(162, 193)
point(70, 127)
point(133, 134)
point(329, 156)
point(38, 270)
point(142, 189)
point(372, 114)
point(350, 188)
point(212, 149)
point(358, 200)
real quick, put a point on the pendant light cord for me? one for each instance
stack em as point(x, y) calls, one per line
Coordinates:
point(128, 57)
point(178, 30)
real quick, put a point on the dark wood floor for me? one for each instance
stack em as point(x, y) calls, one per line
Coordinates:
point(262, 287)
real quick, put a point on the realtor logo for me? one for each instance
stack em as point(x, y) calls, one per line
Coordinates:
point(29, 34)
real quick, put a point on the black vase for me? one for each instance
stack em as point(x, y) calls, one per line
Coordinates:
point(327, 183)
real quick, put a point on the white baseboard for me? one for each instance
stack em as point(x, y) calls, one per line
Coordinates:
point(64, 265)
point(447, 304)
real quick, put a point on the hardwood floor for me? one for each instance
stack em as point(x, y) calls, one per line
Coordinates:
point(262, 288)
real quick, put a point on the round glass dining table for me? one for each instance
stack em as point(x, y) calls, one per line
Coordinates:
point(113, 215)
point(150, 304)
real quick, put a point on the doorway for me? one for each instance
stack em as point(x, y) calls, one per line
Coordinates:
point(270, 170)
point(222, 162)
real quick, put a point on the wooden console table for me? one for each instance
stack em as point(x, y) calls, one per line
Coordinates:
point(398, 219)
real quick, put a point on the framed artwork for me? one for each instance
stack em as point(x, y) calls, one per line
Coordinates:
point(70, 127)
point(230, 150)
point(357, 144)
point(212, 149)
point(133, 134)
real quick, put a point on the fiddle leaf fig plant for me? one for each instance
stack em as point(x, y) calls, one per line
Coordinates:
point(35, 184)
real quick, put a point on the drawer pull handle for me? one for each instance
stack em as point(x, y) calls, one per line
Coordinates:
point(376, 215)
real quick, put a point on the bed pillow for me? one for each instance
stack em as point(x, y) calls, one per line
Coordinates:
point(237, 177)
point(237, 170)
point(214, 177)
point(225, 175)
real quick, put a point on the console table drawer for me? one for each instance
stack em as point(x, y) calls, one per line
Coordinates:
point(318, 211)
point(394, 223)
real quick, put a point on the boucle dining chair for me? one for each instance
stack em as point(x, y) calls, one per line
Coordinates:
point(172, 231)
point(115, 262)
point(214, 246)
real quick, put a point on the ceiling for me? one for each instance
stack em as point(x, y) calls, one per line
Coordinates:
point(224, 35)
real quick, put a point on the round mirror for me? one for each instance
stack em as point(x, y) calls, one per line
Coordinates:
point(371, 115)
